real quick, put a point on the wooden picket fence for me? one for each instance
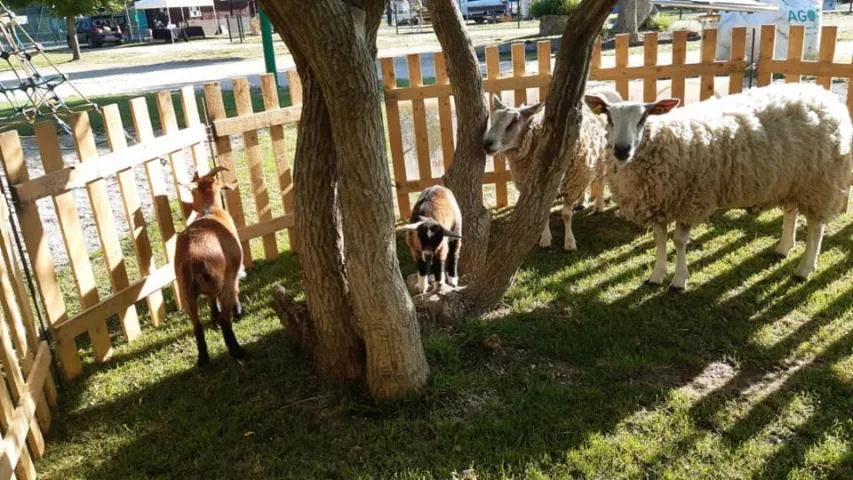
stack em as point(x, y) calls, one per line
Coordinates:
point(621, 73)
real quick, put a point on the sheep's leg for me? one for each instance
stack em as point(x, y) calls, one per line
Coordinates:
point(453, 262)
point(198, 329)
point(808, 263)
point(659, 272)
point(422, 275)
point(569, 242)
point(228, 300)
point(545, 239)
point(680, 238)
point(789, 232)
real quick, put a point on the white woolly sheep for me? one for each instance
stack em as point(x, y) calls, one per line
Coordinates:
point(515, 133)
point(785, 145)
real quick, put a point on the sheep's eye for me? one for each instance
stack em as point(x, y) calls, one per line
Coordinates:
point(512, 123)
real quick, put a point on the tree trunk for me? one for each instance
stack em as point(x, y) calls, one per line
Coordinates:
point(337, 41)
point(73, 42)
point(632, 14)
point(562, 122)
point(465, 176)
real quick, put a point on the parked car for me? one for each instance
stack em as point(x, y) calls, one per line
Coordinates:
point(97, 30)
point(483, 10)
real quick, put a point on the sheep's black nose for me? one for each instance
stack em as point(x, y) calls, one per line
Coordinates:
point(488, 146)
point(621, 152)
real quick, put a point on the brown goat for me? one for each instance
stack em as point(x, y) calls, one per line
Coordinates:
point(434, 235)
point(208, 261)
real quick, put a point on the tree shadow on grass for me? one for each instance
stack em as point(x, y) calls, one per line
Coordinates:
point(594, 356)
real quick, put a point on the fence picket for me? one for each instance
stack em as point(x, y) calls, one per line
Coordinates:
point(445, 114)
point(269, 91)
point(25, 469)
point(621, 42)
point(395, 137)
point(826, 54)
point(133, 212)
point(493, 72)
point(73, 237)
point(39, 252)
point(421, 133)
point(796, 35)
point(224, 153)
point(16, 380)
point(679, 57)
point(543, 53)
point(709, 51)
point(84, 141)
point(765, 55)
point(738, 54)
point(189, 105)
point(169, 123)
point(260, 191)
point(650, 57)
point(157, 185)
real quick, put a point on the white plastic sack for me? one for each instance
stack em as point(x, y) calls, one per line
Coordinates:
point(791, 12)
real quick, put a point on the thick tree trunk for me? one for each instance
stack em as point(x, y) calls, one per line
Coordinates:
point(73, 43)
point(337, 40)
point(465, 176)
point(632, 14)
point(562, 122)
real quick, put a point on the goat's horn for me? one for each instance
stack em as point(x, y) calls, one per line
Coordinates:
point(216, 170)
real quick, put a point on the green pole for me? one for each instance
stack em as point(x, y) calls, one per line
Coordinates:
point(269, 51)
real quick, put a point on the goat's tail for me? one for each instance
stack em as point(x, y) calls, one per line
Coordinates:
point(206, 281)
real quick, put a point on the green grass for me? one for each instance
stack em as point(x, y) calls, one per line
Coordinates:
point(599, 377)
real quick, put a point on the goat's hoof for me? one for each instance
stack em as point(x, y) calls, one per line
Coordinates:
point(238, 313)
point(203, 361)
point(240, 354)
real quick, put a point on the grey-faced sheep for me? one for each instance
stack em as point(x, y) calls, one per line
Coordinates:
point(208, 261)
point(434, 237)
point(785, 145)
point(515, 133)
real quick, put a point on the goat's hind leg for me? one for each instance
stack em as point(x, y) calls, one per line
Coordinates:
point(198, 329)
point(228, 301)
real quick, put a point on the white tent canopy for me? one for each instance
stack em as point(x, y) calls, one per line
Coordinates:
point(157, 4)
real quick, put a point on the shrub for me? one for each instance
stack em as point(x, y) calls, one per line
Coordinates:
point(553, 7)
point(659, 23)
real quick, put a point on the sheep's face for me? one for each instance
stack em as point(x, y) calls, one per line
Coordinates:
point(425, 237)
point(626, 121)
point(508, 126)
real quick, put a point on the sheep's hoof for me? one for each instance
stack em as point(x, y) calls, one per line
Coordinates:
point(649, 282)
point(676, 290)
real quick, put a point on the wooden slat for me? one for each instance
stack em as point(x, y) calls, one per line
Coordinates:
point(258, 183)
point(270, 226)
point(256, 121)
point(445, 114)
point(765, 55)
point(709, 52)
point(595, 62)
point(84, 141)
point(68, 178)
point(818, 69)
point(224, 155)
point(177, 164)
point(796, 35)
point(294, 84)
point(157, 186)
point(650, 57)
point(826, 55)
point(269, 91)
point(15, 376)
point(39, 253)
point(72, 235)
point(201, 159)
point(421, 133)
point(621, 42)
point(26, 468)
point(543, 53)
point(133, 211)
point(13, 449)
point(418, 185)
point(679, 56)
point(395, 134)
point(19, 314)
point(738, 54)
point(519, 69)
point(493, 71)
point(137, 291)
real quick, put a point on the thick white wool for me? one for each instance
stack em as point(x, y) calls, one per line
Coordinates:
point(787, 144)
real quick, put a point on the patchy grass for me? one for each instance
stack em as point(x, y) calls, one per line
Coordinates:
point(745, 375)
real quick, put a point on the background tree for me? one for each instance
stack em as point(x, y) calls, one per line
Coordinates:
point(632, 14)
point(358, 318)
point(70, 10)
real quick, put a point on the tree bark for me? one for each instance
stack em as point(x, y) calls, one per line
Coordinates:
point(465, 175)
point(73, 42)
point(632, 14)
point(561, 126)
point(337, 41)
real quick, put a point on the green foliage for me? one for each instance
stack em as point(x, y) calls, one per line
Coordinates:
point(659, 23)
point(553, 7)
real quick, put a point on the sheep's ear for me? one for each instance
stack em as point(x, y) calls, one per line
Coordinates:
point(597, 104)
point(662, 106)
point(497, 103)
point(527, 112)
point(450, 233)
point(409, 227)
point(229, 186)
